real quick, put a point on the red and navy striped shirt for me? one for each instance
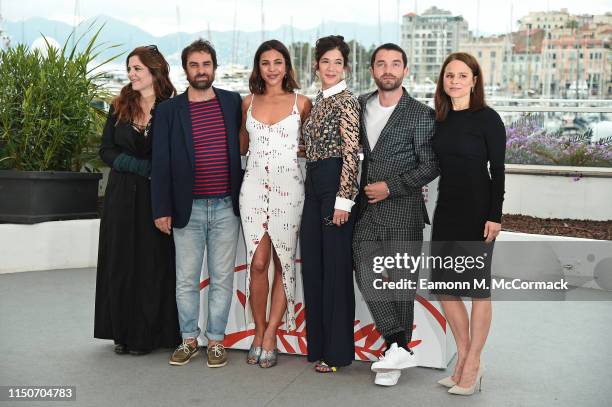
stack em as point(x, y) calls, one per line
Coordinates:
point(212, 171)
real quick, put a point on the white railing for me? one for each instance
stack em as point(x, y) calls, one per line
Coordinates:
point(544, 105)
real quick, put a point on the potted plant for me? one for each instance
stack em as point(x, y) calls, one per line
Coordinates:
point(49, 132)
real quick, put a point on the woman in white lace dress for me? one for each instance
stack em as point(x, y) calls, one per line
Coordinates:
point(272, 194)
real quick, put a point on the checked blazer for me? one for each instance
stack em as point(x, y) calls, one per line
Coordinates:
point(403, 157)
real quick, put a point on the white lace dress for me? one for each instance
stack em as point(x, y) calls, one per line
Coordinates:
point(272, 198)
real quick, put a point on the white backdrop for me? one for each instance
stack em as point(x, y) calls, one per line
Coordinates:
point(431, 339)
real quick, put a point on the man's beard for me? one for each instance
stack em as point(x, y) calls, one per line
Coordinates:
point(202, 82)
point(388, 86)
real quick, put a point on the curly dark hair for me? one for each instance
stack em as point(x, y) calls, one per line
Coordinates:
point(328, 43)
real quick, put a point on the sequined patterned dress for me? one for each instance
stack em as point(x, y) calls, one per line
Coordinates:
point(272, 197)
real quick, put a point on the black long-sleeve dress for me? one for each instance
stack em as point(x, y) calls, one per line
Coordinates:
point(471, 148)
point(135, 285)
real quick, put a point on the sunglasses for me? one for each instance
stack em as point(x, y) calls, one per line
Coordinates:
point(152, 48)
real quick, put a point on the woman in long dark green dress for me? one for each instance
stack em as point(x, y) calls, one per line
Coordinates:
point(135, 286)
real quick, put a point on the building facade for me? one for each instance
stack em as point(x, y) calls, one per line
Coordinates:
point(428, 39)
point(555, 55)
point(544, 20)
point(578, 62)
point(490, 52)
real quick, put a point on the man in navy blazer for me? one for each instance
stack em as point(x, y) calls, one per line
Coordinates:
point(195, 183)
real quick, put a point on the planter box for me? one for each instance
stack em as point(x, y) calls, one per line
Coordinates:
point(41, 196)
point(543, 191)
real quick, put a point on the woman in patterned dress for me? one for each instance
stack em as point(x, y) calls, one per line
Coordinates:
point(272, 194)
point(331, 135)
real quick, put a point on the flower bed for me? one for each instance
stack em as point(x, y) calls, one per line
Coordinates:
point(528, 143)
point(588, 229)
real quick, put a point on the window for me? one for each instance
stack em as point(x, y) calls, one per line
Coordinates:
point(493, 54)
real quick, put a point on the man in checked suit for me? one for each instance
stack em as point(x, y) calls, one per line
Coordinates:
point(396, 134)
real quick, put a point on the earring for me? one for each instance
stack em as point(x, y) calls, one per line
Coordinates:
point(472, 89)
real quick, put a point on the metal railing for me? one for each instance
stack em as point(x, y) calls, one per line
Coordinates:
point(544, 105)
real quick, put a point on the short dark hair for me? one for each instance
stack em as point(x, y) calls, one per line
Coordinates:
point(328, 43)
point(443, 102)
point(256, 82)
point(199, 45)
point(389, 47)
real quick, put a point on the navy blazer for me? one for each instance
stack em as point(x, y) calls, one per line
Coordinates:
point(172, 169)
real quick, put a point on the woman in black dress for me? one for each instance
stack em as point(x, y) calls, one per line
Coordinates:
point(135, 286)
point(470, 142)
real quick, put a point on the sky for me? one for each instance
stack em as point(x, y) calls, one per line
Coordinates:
point(160, 17)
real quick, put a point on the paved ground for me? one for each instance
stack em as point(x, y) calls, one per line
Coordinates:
point(539, 354)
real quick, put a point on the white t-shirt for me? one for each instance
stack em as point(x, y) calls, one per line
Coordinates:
point(376, 117)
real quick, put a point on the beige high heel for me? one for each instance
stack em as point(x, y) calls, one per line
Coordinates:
point(447, 382)
point(468, 391)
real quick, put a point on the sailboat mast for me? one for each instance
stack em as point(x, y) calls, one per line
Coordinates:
point(263, 36)
point(234, 44)
point(75, 21)
point(178, 28)
point(379, 25)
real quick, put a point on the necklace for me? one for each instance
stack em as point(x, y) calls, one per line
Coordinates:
point(146, 127)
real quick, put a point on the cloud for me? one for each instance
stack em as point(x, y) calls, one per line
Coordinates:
point(159, 17)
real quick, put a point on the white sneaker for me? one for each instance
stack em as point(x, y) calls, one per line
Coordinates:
point(395, 358)
point(388, 378)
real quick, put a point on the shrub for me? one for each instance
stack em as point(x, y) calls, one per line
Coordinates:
point(48, 121)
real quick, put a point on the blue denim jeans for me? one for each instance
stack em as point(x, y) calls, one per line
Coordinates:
point(213, 228)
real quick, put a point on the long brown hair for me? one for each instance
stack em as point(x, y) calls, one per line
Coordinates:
point(256, 82)
point(477, 98)
point(127, 104)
